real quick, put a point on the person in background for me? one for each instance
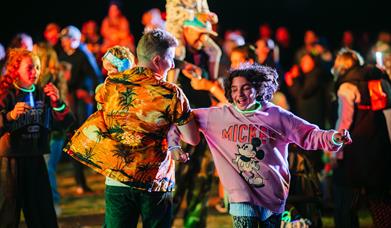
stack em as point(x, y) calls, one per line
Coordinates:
point(84, 77)
point(307, 84)
point(21, 40)
point(265, 31)
point(28, 113)
point(266, 55)
point(51, 34)
point(361, 170)
point(285, 50)
point(91, 38)
point(381, 44)
point(2, 57)
point(197, 12)
point(265, 52)
point(152, 19)
point(195, 179)
point(51, 71)
point(232, 39)
point(348, 40)
point(243, 54)
point(115, 28)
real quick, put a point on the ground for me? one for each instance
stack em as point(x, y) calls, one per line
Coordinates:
point(82, 211)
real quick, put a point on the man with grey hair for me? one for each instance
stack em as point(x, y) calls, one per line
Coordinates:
point(127, 140)
point(155, 48)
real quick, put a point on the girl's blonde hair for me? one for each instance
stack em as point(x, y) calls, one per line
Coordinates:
point(51, 69)
point(49, 62)
point(345, 60)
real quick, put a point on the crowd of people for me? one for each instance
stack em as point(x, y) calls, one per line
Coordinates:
point(132, 111)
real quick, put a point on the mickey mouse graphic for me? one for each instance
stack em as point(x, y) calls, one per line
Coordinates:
point(247, 164)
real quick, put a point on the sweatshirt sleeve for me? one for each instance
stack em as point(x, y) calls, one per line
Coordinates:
point(173, 136)
point(309, 137)
point(201, 116)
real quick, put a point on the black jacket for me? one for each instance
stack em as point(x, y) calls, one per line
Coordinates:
point(29, 134)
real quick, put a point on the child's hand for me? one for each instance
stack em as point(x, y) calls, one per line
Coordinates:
point(208, 17)
point(51, 91)
point(178, 154)
point(343, 137)
point(19, 109)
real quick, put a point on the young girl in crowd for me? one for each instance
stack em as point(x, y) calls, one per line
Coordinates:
point(28, 114)
point(249, 141)
point(53, 71)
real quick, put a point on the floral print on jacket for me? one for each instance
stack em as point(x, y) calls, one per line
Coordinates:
point(127, 139)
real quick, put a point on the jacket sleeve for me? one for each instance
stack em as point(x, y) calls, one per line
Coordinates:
point(6, 106)
point(173, 136)
point(348, 95)
point(182, 113)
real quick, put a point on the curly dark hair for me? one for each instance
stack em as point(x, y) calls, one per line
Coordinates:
point(262, 78)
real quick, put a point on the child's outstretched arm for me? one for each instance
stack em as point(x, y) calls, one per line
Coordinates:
point(309, 137)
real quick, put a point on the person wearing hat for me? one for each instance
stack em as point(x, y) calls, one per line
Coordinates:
point(195, 178)
point(179, 13)
point(85, 76)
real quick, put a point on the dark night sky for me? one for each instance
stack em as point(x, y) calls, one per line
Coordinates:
point(328, 17)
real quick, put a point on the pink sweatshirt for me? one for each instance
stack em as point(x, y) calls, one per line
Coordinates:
point(250, 151)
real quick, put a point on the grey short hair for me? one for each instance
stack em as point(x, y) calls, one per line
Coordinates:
point(155, 42)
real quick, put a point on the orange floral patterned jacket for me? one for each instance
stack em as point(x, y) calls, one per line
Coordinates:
point(127, 139)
